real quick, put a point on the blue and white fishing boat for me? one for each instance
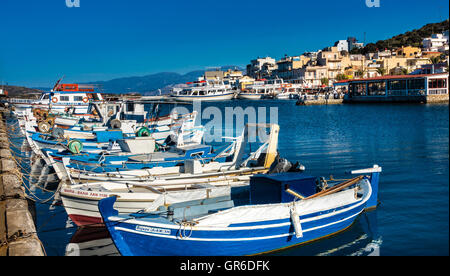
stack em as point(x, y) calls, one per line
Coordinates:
point(145, 166)
point(63, 96)
point(138, 189)
point(284, 210)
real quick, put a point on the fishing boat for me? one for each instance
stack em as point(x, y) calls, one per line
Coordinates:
point(283, 210)
point(205, 159)
point(204, 90)
point(62, 97)
point(81, 200)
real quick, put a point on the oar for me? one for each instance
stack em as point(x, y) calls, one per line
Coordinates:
point(337, 188)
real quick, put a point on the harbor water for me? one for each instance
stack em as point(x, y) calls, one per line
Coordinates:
point(409, 141)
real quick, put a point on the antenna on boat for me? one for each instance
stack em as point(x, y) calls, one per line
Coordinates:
point(57, 83)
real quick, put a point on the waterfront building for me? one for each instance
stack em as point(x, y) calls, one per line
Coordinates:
point(423, 88)
point(232, 76)
point(244, 82)
point(430, 54)
point(313, 75)
point(214, 74)
point(431, 69)
point(261, 67)
point(287, 66)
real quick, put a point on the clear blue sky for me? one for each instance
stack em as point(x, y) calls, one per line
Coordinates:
point(41, 40)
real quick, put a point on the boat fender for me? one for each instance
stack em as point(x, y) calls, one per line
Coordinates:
point(75, 146)
point(58, 133)
point(116, 124)
point(143, 132)
point(37, 113)
point(44, 127)
point(295, 219)
point(51, 121)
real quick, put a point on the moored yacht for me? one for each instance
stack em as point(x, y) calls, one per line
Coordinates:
point(205, 90)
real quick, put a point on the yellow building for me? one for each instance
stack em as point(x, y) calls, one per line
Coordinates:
point(244, 82)
point(408, 52)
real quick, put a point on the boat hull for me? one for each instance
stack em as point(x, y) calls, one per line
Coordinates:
point(82, 206)
point(220, 97)
point(250, 96)
point(230, 242)
point(265, 228)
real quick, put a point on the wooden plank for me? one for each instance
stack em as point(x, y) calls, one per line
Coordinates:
point(338, 187)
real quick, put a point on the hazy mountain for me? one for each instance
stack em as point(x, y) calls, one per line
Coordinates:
point(149, 84)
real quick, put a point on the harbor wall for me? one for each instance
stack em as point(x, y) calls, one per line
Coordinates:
point(17, 227)
point(443, 98)
point(320, 101)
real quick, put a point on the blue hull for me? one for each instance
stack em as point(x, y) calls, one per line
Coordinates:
point(132, 242)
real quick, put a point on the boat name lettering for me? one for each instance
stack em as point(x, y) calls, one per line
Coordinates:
point(152, 230)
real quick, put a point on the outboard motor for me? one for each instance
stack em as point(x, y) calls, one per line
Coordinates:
point(169, 141)
point(280, 165)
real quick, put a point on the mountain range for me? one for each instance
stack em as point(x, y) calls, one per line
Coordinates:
point(149, 84)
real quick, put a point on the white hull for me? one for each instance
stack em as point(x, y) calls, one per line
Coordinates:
point(219, 97)
point(81, 201)
point(250, 96)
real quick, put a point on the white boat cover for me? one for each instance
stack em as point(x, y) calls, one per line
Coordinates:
point(188, 195)
point(259, 213)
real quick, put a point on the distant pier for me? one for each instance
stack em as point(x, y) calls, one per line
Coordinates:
point(17, 228)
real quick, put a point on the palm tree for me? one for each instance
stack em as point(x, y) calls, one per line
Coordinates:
point(435, 59)
point(381, 71)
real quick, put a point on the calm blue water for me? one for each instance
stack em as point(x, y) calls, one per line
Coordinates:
point(410, 142)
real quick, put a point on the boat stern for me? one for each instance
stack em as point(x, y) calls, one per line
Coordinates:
point(374, 178)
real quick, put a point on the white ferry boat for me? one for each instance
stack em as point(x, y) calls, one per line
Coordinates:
point(204, 90)
point(270, 89)
point(62, 98)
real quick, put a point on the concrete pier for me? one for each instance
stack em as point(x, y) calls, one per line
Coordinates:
point(17, 228)
point(320, 101)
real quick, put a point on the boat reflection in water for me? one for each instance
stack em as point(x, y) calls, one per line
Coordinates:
point(360, 239)
point(91, 241)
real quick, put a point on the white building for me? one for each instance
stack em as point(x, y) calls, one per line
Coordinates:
point(261, 67)
point(436, 43)
point(342, 45)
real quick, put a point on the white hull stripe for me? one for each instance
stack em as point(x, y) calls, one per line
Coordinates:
point(232, 239)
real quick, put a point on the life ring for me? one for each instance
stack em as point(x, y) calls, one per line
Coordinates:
point(54, 100)
point(85, 99)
